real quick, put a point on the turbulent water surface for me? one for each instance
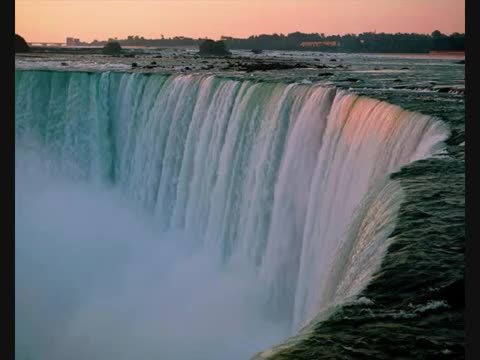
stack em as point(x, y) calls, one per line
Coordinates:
point(201, 217)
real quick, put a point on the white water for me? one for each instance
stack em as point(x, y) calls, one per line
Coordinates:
point(195, 217)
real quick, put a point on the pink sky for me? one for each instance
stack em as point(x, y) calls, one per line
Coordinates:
point(54, 20)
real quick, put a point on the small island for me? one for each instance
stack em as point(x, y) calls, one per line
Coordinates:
point(212, 47)
point(112, 48)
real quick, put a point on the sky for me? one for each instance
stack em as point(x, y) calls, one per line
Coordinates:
point(54, 20)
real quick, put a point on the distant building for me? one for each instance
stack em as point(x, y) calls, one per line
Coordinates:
point(319, 44)
point(73, 41)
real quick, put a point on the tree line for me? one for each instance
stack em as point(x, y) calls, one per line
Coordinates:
point(364, 42)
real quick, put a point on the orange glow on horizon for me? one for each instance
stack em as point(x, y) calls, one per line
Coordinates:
point(54, 20)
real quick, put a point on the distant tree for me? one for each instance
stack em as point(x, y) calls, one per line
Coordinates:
point(457, 41)
point(212, 47)
point(440, 42)
point(112, 48)
point(21, 45)
point(364, 42)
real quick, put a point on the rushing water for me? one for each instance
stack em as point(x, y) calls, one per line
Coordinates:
point(190, 217)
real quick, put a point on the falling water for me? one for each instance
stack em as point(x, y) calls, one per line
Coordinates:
point(285, 183)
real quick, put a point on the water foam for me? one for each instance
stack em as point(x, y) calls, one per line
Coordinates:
point(280, 190)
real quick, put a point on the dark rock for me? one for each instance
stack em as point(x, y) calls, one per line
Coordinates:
point(333, 59)
point(397, 80)
point(134, 65)
point(461, 62)
point(153, 63)
point(457, 91)
point(450, 90)
point(129, 55)
point(444, 89)
point(454, 294)
point(257, 51)
point(261, 66)
point(188, 68)
point(352, 80)
point(405, 68)
point(64, 64)
point(21, 45)
point(158, 56)
point(325, 74)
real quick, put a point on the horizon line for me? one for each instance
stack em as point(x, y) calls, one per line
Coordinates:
point(233, 37)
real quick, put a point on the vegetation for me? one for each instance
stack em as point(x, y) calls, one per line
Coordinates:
point(442, 42)
point(364, 42)
point(141, 41)
point(212, 47)
point(21, 45)
point(112, 48)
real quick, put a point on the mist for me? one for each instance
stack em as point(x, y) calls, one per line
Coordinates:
point(97, 274)
point(95, 279)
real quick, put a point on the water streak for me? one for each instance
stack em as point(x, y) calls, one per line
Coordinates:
point(273, 176)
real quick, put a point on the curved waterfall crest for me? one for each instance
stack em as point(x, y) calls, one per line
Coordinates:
point(290, 180)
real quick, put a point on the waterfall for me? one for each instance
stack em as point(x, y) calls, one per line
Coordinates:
point(290, 180)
